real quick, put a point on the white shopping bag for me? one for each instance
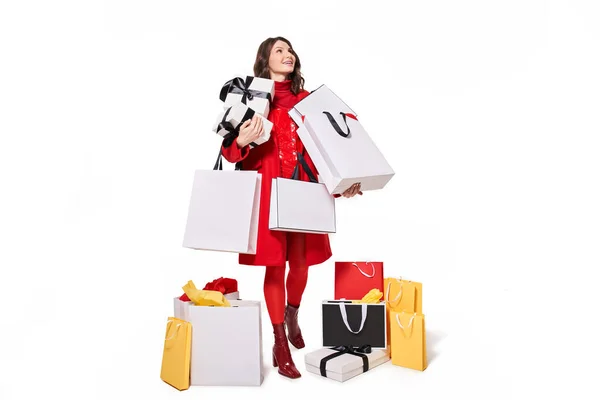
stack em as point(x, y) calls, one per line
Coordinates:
point(223, 211)
point(341, 149)
point(299, 206)
point(226, 344)
point(181, 308)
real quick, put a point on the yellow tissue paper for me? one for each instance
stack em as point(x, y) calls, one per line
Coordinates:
point(373, 297)
point(205, 297)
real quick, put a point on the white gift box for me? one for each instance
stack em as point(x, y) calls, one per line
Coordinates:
point(223, 211)
point(236, 115)
point(345, 365)
point(256, 93)
point(226, 344)
point(181, 308)
point(341, 149)
point(299, 206)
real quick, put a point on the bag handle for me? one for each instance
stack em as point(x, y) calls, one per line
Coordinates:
point(409, 324)
point(363, 272)
point(296, 173)
point(219, 163)
point(398, 296)
point(335, 125)
point(345, 316)
point(178, 326)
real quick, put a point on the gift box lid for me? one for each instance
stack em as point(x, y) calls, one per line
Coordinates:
point(346, 362)
point(256, 83)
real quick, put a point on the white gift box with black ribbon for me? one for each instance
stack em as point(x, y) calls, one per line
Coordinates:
point(300, 206)
point(344, 362)
point(340, 147)
point(354, 324)
point(256, 93)
point(226, 344)
point(223, 211)
point(229, 122)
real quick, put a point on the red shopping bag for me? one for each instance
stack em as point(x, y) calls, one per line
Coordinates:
point(353, 280)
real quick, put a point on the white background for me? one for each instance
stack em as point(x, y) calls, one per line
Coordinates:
point(487, 111)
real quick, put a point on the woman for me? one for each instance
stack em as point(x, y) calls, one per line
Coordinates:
point(276, 60)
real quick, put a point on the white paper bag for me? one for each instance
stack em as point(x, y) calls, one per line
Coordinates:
point(226, 344)
point(223, 211)
point(232, 296)
point(341, 149)
point(256, 93)
point(181, 308)
point(298, 206)
point(230, 120)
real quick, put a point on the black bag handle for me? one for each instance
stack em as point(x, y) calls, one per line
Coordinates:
point(336, 126)
point(219, 163)
point(296, 174)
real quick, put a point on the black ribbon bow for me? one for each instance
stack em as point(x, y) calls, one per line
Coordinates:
point(355, 351)
point(233, 131)
point(240, 86)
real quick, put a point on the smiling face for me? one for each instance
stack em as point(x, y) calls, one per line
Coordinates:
point(281, 61)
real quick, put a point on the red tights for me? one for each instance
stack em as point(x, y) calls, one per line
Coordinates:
point(276, 285)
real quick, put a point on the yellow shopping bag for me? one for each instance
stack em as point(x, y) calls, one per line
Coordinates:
point(403, 295)
point(399, 295)
point(409, 346)
point(176, 360)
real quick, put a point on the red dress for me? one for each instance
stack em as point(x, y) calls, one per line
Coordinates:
point(277, 158)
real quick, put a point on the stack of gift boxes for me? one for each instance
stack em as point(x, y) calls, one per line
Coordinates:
point(242, 99)
point(214, 337)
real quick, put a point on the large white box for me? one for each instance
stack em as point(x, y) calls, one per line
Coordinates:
point(223, 211)
point(344, 366)
point(299, 206)
point(345, 157)
point(256, 93)
point(181, 308)
point(235, 116)
point(226, 344)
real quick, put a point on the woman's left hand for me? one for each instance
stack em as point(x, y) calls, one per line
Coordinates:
point(352, 191)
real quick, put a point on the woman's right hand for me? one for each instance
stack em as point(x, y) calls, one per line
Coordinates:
point(250, 131)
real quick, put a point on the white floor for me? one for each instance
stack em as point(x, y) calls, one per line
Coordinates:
point(487, 111)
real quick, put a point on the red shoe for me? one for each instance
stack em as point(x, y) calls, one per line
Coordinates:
point(282, 357)
point(291, 323)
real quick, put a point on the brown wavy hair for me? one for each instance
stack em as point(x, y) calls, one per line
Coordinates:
point(261, 65)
